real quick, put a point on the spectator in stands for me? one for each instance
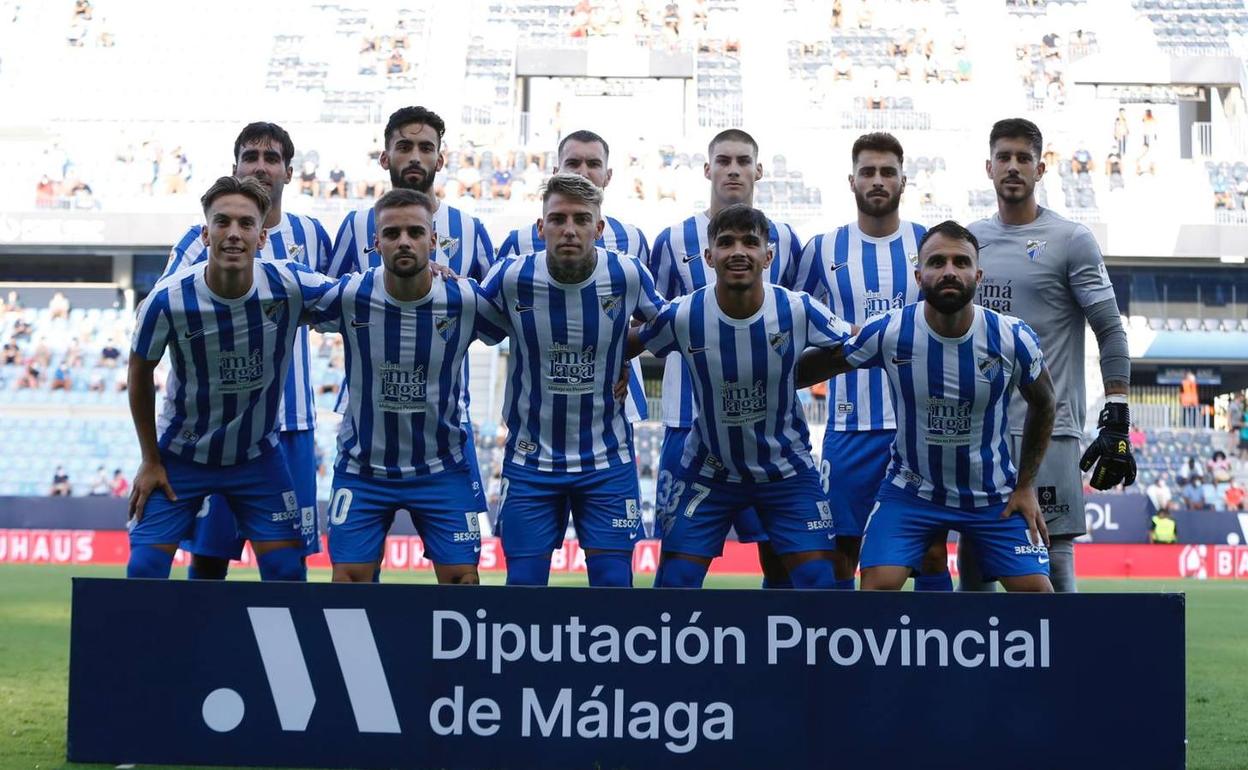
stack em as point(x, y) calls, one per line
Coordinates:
point(396, 64)
point(21, 330)
point(1241, 427)
point(337, 187)
point(60, 483)
point(1137, 437)
point(1212, 496)
point(1121, 130)
point(1234, 496)
point(61, 379)
point(1191, 495)
point(1219, 468)
point(1163, 528)
point(308, 184)
point(1189, 400)
point(58, 306)
point(110, 354)
point(1223, 198)
point(100, 485)
point(1081, 161)
point(1113, 169)
point(10, 354)
point(121, 485)
point(1191, 471)
point(12, 302)
point(32, 377)
point(45, 193)
point(1148, 128)
point(1159, 493)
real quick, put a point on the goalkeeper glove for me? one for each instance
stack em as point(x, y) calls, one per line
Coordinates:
point(1111, 451)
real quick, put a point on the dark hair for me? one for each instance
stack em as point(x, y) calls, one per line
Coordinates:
point(254, 132)
point(1017, 128)
point(583, 136)
point(878, 141)
point(951, 229)
point(400, 197)
point(732, 135)
point(406, 116)
point(739, 217)
point(228, 185)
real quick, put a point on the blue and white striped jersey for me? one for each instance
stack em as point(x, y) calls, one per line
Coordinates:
point(616, 236)
point(749, 424)
point(568, 343)
point(298, 238)
point(404, 365)
point(229, 357)
point(679, 268)
point(951, 396)
point(860, 278)
point(463, 246)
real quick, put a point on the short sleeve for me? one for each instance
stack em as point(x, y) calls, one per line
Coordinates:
point(1027, 353)
point(510, 247)
point(489, 325)
point(326, 314)
point(659, 335)
point(324, 248)
point(186, 252)
point(344, 258)
point(663, 266)
point(1085, 269)
point(314, 288)
point(153, 326)
point(865, 349)
point(482, 251)
point(649, 303)
point(824, 329)
point(791, 245)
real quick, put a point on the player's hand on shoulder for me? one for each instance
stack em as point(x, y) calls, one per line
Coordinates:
point(150, 478)
point(1023, 501)
point(443, 271)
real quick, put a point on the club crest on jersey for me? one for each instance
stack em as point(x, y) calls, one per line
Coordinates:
point(274, 310)
point(780, 341)
point(448, 245)
point(989, 366)
point(611, 305)
point(445, 326)
point(1035, 249)
point(294, 251)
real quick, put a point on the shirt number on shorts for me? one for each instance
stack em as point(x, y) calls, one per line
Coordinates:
point(825, 472)
point(700, 493)
point(339, 506)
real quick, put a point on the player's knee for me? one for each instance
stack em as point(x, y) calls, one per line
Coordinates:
point(149, 561)
point(775, 576)
point(612, 569)
point(208, 568)
point(681, 573)
point(466, 579)
point(814, 573)
point(883, 579)
point(354, 573)
point(282, 564)
point(528, 570)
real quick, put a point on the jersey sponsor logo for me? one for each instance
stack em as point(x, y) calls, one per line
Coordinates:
point(189, 436)
point(948, 421)
point(876, 303)
point(239, 373)
point(994, 295)
point(525, 446)
point(472, 533)
point(445, 326)
point(911, 478)
point(844, 407)
point(742, 403)
point(611, 305)
point(274, 311)
point(571, 370)
point(714, 462)
point(632, 515)
point(1049, 504)
point(1032, 550)
point(402, 389)
point(1035, 249)
point(780, 341)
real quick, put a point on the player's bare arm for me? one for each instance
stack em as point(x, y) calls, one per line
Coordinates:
point(1037, 428)
point(151, 475)
point(820, 364)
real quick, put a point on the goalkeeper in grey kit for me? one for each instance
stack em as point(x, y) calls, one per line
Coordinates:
point(1049, 272)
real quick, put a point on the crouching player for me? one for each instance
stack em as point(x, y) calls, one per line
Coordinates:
point(741, 338)
point(403, 444)
point(952, 367)
point(229, 324)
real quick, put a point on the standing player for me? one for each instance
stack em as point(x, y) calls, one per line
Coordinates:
point(586, 154)
point(749, 447)
point(569, 445)
point(264, 152)
point(952, 366)
point(229, 323)
point(413, 156)
point(861, 271)
point(402, 443)
point(1049, 272)
point(679, 268)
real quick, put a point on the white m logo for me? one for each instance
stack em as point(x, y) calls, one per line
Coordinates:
point(287, 672)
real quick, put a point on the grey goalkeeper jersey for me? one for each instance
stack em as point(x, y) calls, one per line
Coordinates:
point(1046, 273)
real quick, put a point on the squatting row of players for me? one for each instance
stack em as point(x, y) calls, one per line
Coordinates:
point(943, 411)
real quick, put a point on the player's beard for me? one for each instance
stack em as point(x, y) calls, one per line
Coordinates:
point(398, 182)
point(406, 272)
point(1016, 194)
point(949, 304)
point(877, 207)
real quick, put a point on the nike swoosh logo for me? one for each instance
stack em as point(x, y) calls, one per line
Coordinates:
point(694, 351)
point(834, 267)
point(523, 308)
point(190, 335)
point(691, 257)
point(901, 361)
point(358, 324)
point(1042, 559)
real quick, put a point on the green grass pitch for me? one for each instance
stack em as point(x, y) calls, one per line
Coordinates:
point(34, 660)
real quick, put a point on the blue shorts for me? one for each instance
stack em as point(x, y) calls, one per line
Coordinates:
point(861, 460)
point(217, 534)
point(903, 525)
point(534, 505)
point(745, 521)
point(442, 508)
point(259, 493)
point(793, 511)
point(474, 469)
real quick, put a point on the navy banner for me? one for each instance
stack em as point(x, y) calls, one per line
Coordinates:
point(404, 676)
